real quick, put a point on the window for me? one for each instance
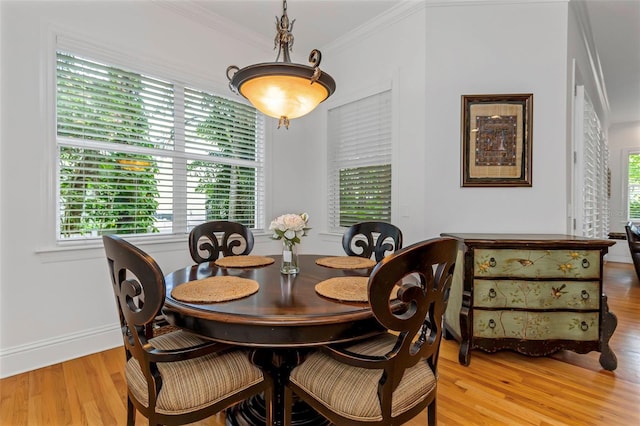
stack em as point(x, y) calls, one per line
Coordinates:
point(592, 166)
point(359, 161)
point(633, 186)
point(143, 155)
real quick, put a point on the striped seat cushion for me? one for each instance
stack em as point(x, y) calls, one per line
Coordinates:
point(352, 392)
point(193, 384)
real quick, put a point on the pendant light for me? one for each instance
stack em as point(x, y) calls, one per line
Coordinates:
point(283, 90)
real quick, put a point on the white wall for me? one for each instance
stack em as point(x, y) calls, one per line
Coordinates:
point(58, 304)
point(55, 306)
point(486, 49)
point(622, 138)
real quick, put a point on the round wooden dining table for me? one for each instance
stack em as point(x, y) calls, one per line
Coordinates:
point(279, 322)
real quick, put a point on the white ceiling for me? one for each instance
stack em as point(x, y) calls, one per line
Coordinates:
point(615, 25)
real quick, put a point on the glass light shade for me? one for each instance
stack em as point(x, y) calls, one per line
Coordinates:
point(284, 95)
point(283, 89)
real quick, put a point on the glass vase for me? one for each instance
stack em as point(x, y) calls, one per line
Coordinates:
point(289, 258)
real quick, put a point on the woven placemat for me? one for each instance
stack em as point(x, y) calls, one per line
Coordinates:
point(215, 289)
point(346, 262)
point(347, 289)
point(243, 261)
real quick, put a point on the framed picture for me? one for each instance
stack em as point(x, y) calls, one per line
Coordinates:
point(496, 140)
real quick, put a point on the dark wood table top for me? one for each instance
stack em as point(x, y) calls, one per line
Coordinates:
point(285, 312)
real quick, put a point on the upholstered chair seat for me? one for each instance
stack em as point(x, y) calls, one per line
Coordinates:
point(352, 392)
point(196, 383)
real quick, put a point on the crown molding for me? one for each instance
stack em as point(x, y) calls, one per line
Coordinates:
point(584, 27)
point(194, 11)
point(393, 15)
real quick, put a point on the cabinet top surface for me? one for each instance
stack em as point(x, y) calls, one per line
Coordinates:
point(527, 239)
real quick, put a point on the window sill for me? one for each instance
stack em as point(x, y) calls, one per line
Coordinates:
point(93, 249)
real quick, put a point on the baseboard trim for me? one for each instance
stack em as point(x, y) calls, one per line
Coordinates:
point(44, 353)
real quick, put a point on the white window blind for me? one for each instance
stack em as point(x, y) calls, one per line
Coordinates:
point(595, 175)
point(145, 155)
point(359, 161)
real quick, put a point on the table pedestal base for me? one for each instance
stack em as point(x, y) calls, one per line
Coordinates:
point(251, 412)
point(277, 364)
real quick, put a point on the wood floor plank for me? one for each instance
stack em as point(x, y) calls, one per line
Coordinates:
point(503, 388)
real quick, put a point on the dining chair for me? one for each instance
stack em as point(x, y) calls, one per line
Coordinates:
point(363, 236)
point(174, 378)
point(237, 239)
point(633, 240)
point(392, 377)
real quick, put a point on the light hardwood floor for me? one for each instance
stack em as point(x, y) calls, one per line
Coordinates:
point(504, 388)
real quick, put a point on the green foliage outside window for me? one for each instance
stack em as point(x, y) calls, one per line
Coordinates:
point(101, 191)
point(229, 190)
point(121, 167)
point(634, 186)
point(365, 194)
point(107, 193)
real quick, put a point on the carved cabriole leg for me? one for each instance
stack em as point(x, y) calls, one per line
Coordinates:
point(608, 359)
point(465, 329)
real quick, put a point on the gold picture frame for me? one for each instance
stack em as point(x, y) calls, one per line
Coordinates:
point(496, 140)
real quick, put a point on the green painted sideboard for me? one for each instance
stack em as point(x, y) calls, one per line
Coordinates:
point(532, 293)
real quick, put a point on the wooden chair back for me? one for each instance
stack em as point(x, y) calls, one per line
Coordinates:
point(367, 238)
point(139, 289)
point(423, 272)
point(203, 238)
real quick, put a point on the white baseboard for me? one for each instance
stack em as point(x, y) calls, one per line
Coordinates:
point(20, 359)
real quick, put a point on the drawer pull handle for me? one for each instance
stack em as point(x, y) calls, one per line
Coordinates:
point(492, 262)
point(584, 326)
point(492, 324)
point(584, 294)
point(492, 294)
point(585, 263)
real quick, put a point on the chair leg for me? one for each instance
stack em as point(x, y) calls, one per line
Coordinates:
point(131, 413)
point(431, 414)
point(288, 406)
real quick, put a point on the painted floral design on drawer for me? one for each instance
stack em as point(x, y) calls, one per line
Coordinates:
point(579, 295)
point(537, 263)
point(535, 325)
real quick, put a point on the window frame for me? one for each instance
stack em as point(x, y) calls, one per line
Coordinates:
point(354, 96)
point(626, 199)
point(62, 40)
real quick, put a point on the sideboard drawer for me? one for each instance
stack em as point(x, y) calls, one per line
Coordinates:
point(537, 263)
point(579, 326)
point(579, 295)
